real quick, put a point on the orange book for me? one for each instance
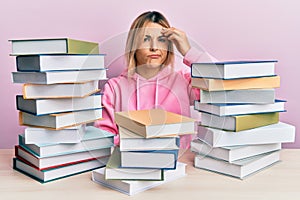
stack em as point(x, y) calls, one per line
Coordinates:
point(155, 123)
point(236, 84)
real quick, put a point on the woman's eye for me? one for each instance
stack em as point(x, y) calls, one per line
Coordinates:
point(146, 39)
point(162, 40)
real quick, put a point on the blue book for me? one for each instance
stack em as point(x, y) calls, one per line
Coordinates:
point(94, 138)
point(159, 159)
point(223, 109)
point(234, 69)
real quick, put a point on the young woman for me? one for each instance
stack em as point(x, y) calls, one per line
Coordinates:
point(150, 80)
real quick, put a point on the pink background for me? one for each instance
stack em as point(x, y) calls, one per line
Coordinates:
point(229, 30)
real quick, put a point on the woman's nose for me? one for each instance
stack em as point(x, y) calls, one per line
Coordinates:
point(153, 45)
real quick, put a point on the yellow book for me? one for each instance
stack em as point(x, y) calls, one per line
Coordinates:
point(236, 84)
point(53, 46)
point(239, 122)
point(155, 123)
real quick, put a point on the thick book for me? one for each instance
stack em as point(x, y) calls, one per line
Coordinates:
point(53, 46)
point(234, 69)
point(239, 122)
point(41, 63)
point(94, 138)
point(130, 141)
point(63, 90)
point(43, 163)
point(41, 135)
point(236, 84)
point(158, 159)
point(61, 120)
point(239, 168)
point(44, 176)
point(275, 133)
point(155, 122)
point(114, 170)
point(52, 106)
point(53, 77)
point(134, 187)
point(232, 153)
point(239, 109)
point(257, 96)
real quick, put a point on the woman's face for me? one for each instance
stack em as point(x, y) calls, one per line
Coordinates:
point(153, 48)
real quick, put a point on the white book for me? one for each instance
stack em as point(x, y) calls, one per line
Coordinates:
point(63, 90)
point(51, 106)
point(40, 63)
point(61, 120)
point(44, 176)
point(134, 187)
point(258, 96)
point(41, 135)
point(238, 109)
point(51, 162)
point(275, 133)
point(232, 153)
point(94, 138)
point(240, 168)
point(53, 77)
point(53, 46)
point(234, 69)
point(158, 159)
point(130, 141)
point(114, 170)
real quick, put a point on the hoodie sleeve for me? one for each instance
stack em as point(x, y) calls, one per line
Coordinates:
point(108, 103)
point(192, 56)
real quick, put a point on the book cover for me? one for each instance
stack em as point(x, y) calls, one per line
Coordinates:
point(228, 109)
point(239, 122)
point(53, 46)
point(275, 133)
point(236, 84)
point(40, 63)
point(53, 77)
point(135, 187)
point(52, 106)
point(155, 122)
point(234, 69)
point(63, 90)
point(114, 170)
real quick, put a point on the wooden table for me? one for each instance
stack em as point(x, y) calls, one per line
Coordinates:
point(281, 181)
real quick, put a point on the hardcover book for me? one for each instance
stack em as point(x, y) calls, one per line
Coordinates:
point(254, 96)
point(155, 123)
point(94, 138)
point(53, 77)
point(41, 63)
point(236, 84)
point(114, 170)
point(239, 122)
point(52, 106)
point(239, 108)
point(53, 46)
point(129, 141)
point(232, 153)
point(275, 133)
point(239, 168)
point(234, 69)
point(61, 120)
point(134, 187)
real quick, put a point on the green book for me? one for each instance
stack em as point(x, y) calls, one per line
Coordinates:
point(239, 122)
point(53, 46)
point(114, 170)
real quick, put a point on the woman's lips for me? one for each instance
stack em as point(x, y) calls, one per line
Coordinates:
point(154, 56)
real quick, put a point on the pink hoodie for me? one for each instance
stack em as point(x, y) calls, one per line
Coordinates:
point(169, 90)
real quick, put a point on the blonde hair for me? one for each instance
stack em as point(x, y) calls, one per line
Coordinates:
point(134, 37)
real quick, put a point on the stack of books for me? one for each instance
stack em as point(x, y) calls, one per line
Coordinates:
point(240, 131)
point(60, 96)
point(148, 151)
